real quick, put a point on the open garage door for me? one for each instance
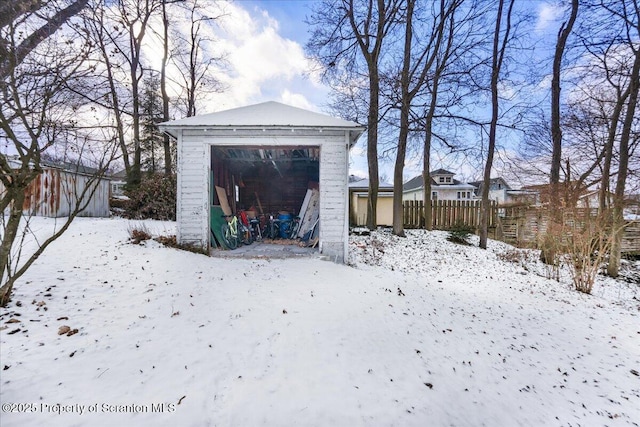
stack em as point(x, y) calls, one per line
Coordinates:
point(265, 181)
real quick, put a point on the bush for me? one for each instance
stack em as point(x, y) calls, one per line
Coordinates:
point(139, 234)
point(154, 198)
point(171, 242)
point(460, 233)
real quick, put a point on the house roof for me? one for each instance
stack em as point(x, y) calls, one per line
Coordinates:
point(267, 114)
point(65, 166)
point(415, 183)
point(492, 181)
point(363, 183)
point(441, 172)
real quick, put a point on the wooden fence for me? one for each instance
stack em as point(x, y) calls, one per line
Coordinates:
point(524, 225)
point(447, 213)
point(520, 226)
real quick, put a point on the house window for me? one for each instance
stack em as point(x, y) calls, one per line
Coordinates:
point(434, 195)
point(441, 179)
point(464, 195)
point(448, 179)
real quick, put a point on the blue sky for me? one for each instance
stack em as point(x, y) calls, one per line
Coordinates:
point(278, 71)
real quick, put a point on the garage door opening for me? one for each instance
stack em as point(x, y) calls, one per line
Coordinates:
point(266, 183)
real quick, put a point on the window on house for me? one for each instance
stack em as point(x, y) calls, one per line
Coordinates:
point(464, 194)
point(434, 195)
point(441, 179)
point(448, 179)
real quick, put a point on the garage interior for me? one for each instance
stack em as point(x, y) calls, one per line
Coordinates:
point(263, 179)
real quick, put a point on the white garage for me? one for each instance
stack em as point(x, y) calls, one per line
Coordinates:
point(265, 156)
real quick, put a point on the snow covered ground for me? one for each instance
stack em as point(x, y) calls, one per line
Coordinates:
point(417, 331)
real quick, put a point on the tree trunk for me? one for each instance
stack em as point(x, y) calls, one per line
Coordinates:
point(499, 49)
point(547, 253)
point(618, 200)
point(556, 130)
point(10, 232)
point(166, 142)
point(426, 180)
point(405, 109)
point(372, 150)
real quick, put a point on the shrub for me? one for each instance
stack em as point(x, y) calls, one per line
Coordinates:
point(138, 234)
point(154, 198)
point(460, 233)
point(522, 257)
point(171, 242)
point(589, 241)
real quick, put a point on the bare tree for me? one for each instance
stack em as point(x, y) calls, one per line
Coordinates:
point(196, 65)
point(14, 51)
point(500, 40)
point(342, 31)
point(556, 130)
point(419, 64)
point(37, 111)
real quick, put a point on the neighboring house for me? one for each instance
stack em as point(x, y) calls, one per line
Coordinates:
point(55, 191)
point(359, 199)
point(265, 155)
point(501, 192)
point(591, 199)
point(569, 194)
point(118, 181)
point(443, 187)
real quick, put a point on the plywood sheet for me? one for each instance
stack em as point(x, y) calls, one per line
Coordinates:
point(224, 203)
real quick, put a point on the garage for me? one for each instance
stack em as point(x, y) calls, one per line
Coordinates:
point(269, 159)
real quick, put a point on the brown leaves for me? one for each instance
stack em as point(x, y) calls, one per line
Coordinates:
point(67, 330)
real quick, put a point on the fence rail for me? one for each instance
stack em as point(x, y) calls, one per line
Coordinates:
point(521, 226)
point(447, 213)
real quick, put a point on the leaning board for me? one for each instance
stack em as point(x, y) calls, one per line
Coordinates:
point(216, 222)
point(224, 203)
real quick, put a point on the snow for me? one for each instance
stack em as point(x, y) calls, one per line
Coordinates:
point(416, 331)
point(269, 113)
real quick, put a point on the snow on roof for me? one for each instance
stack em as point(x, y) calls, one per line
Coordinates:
point(271, 114)
point(364, 183)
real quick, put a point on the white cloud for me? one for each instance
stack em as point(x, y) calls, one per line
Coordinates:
point(263, 65)
point(296, 99)
point(548, 13)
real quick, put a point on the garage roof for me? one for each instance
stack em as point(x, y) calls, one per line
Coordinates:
point(266, 114)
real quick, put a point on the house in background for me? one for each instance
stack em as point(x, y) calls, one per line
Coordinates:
point(570, 193)
point(359, 198)
point(118, 181)
point(443, 187)
point(502, 193)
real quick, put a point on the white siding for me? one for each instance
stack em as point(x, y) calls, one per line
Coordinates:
point(334, 198)
point(193, 183)
point(192, 210)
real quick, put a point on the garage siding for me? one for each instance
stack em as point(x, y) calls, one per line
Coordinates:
point(193, 190)
point(333, 197)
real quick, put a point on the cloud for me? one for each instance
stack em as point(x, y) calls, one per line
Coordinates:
point(548, 13)
point(262, 64)
point(296, 99)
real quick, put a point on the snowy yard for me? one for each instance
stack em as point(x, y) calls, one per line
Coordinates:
point(417, 332)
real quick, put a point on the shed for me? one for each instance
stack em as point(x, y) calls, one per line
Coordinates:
point(263, 156)
point(55, 191)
